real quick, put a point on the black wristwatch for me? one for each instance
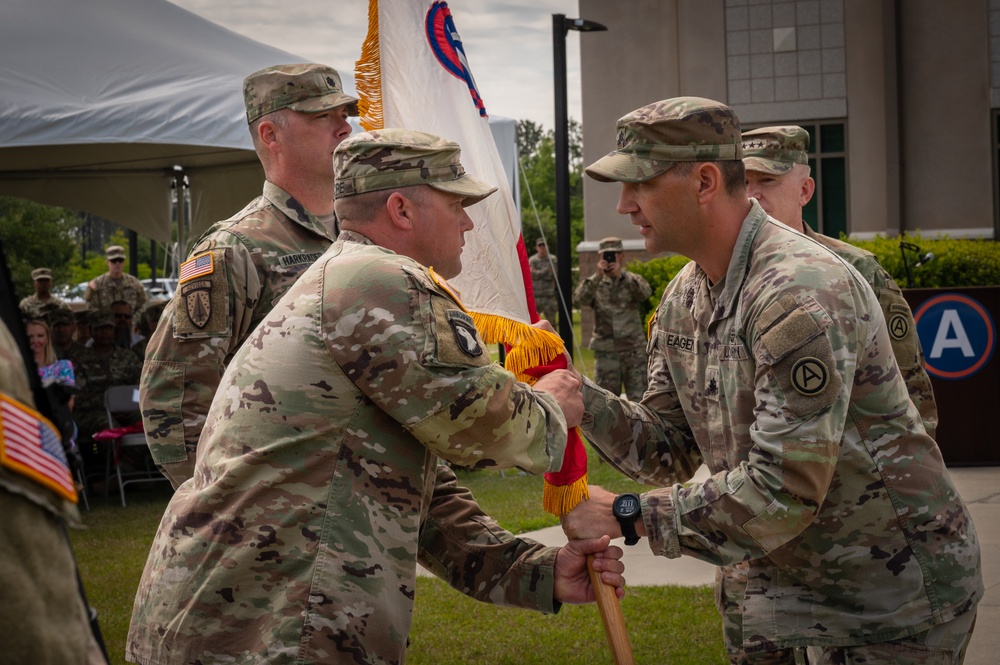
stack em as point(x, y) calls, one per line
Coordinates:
point(627, 509)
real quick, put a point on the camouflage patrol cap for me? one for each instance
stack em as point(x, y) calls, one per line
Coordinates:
point(611, 245)
point(775, 150)
point(101, 318)
point(41, 273)
point(114, 252)
point(60, 315)
point(655, 137)
point(396, 158)
point(309, 88)
point(82, 317)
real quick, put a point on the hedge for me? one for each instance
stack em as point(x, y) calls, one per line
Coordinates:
point(956, 262)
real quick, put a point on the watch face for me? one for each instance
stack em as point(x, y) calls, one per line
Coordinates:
point(627, 505)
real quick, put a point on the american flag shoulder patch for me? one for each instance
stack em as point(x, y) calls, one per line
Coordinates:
point(198, 266)
point(31, 446)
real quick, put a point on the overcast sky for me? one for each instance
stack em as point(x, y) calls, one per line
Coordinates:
point(508, 43)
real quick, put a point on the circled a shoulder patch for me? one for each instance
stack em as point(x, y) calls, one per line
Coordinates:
point(810, 376)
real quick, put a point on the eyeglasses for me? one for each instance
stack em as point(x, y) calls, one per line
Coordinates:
point(117, 260)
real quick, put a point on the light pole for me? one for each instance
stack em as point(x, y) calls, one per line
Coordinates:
point(560, 27)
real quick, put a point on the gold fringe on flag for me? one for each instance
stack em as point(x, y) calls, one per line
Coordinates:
point(529, 346)
point(559, 500)
point(368, 75)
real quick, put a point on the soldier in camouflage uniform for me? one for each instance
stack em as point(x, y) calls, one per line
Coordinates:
point(98, 368)
point(318, 487)
point(43, 618)
point(63, 324)
point(41, 302)
point(777, 164)
point(619, 340)
point(240, 267)
point(771, 363)
point(115, 284)
point(543, 281)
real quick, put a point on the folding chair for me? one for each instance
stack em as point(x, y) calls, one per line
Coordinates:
point(122, 401)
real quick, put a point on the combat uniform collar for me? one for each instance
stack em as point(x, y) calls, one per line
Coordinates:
point(725, 295)
point(354, 236)
point(325, 226)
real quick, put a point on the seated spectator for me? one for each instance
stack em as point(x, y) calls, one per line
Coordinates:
point(100, 367)
point(125, 335)
point(51, 369)
point(148, 321)
point(83, 327)
point(64, 329)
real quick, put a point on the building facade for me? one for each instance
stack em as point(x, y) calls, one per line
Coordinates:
point(901, 99)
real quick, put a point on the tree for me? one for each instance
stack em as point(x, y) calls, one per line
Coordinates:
point(36, 235)
point(536, 150)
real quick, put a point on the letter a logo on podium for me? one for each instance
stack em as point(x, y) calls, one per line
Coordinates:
point(957, 334)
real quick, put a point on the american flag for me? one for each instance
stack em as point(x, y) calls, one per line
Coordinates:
point(196, 267)
point(30, 445)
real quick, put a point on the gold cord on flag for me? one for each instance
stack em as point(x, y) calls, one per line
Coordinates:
point(368, 76)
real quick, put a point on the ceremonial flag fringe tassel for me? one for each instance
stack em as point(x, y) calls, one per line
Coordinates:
point(414, 74)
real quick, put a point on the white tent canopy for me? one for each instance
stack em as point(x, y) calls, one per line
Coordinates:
point(103, 103)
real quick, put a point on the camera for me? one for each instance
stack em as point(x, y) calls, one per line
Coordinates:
point(609, 257)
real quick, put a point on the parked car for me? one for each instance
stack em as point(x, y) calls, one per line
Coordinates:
point(72, 293)
point(160, 288)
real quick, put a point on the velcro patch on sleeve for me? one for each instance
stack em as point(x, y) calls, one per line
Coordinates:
point(458, 342)
point(202, 308)
point(802, 363)
point(899, 322)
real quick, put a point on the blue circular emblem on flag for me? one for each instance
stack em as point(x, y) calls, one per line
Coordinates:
point(447, 47)
point(957, 334)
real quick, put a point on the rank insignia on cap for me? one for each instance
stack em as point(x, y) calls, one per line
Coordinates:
point(810, 376)
point(465, 333)
point(198, 301)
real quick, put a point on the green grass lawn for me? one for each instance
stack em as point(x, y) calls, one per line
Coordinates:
point(666, 624)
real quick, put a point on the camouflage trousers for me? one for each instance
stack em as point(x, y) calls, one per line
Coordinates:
point(547, 307)
point(944, 644)
point(614, 370)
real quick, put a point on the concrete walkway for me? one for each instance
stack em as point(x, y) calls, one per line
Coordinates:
point(979, 487)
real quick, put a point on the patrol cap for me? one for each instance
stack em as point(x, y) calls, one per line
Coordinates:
point(395, 158)
point(682, 129)
point(60, 315)
point(611, 245)
point(775, 150)
point(82, 317)
point(101, 318)
point(114, 252)
point(309, 88)
point(540, 241)
point(41, 273)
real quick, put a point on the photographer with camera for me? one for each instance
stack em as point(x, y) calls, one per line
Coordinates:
point(619, 340)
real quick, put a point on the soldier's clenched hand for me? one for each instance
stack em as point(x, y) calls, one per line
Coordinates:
point(572, 581)
point(567, 388)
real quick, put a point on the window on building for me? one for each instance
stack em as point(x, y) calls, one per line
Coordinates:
point(827, 211)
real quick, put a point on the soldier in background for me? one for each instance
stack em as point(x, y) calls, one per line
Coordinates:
point(100, 367)
point(543, 280)
point(319, 479)
point(297, 116)
point(771, 363)
point(41, 302)
point(777, 164)
point(115, 284)
point(619, 339)
point(64, 328)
